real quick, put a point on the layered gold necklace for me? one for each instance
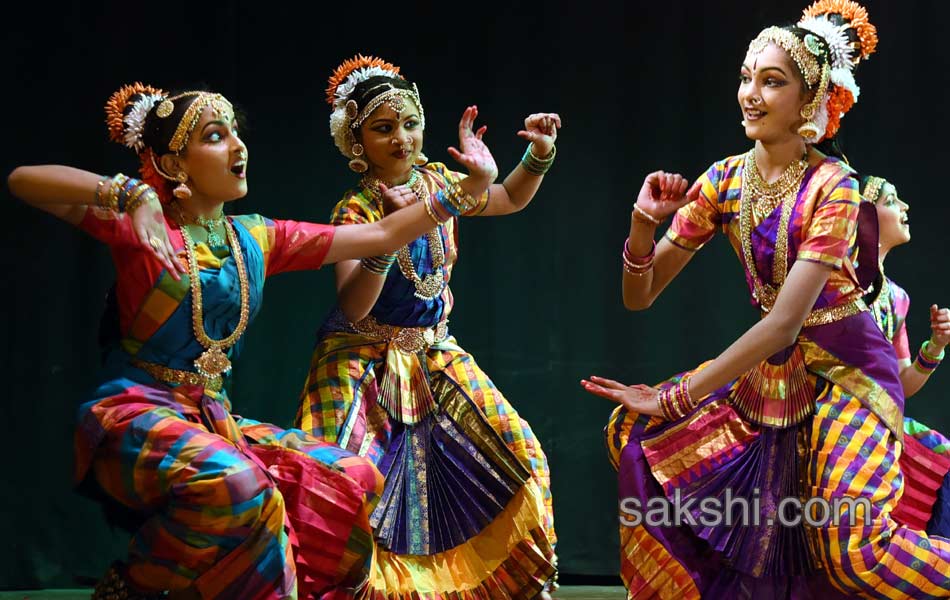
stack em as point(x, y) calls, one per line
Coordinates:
point(762, 198)
point(213, 361)
point(767, 196)
point(432, 285)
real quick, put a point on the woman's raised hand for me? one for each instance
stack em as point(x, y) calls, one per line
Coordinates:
point(939, 326)
point(473, 154)
point(541, 130)
point(662, 194)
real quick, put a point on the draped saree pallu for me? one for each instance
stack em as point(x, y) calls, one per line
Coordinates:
point(234, 507)
point(466, 510)
point(820, 419)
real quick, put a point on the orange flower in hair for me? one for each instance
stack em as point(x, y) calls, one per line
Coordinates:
point(117, 115)
point(856, 14)
point(342, 72)
point(840, 101)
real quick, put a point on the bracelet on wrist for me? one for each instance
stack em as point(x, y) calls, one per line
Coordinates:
point(637, 265)
point(535, 165)
point(642, 215)
point(379, 265)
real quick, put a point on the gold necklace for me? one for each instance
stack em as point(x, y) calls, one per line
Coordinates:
point(432, 285)
point(213, 361)
point(752, 191)
point(209, 224)
point(768, 196)
point(881, 309)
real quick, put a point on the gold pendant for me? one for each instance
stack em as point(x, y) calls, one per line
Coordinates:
point(213, 362)
point(430, 287)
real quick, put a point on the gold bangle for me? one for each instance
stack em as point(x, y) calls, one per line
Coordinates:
point(427, 202)
point(139, 197)
point(649, 218)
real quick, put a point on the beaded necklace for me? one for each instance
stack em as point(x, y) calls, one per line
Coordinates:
point(432, 285)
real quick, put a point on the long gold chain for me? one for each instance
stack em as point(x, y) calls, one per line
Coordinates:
point(213, 361)
point(432, 285)
point(764, 293)
point(769, 195)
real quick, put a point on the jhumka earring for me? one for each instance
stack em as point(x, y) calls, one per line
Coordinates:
point(358, 165)
point(809, 129)
point(421, 159)
point(182, 191)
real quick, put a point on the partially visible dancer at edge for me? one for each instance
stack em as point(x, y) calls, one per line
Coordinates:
point(808, 402)
point(466, 511)
point(226, 507)
point(925, 459)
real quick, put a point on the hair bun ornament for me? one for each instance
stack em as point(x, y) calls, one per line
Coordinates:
point(857, 18)
point(354, 70)
point(126, 111)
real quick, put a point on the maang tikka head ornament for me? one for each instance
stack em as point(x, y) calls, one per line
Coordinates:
point(826, 45)
point(347, 115)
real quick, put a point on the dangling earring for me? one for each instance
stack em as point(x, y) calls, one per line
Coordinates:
point(358, 165)
point(181, 191)
point(809, 129)
point(421, 159)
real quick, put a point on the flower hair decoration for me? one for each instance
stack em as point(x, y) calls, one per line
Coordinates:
point(346, 115)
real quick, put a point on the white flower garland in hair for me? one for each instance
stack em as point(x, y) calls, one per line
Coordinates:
point(845, 78)
point(339, 121)
point(836, 37)
point(135, 121)
point(340, 130)
point(349, 84)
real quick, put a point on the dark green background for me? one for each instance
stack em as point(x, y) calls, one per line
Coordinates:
point(639, 86)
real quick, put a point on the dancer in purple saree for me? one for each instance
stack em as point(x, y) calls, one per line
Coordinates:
point(806, 404)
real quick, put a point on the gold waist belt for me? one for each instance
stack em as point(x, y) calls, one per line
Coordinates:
point(830, 314)
point(167, 375)
point(407, 339)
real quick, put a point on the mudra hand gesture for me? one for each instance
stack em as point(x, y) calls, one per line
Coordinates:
point(474, 154)
point(662, 194)
point(939, 326)
point(639, 398)
point(541, 130)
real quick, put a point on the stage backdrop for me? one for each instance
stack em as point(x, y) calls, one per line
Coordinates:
point(640, 86)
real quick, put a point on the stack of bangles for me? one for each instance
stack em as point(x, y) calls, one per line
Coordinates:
point(926, 362)
point(124, 194)
point(675, 401)
point(535, 165)
point(637, 265)
point(450, 202)
point(379, 265)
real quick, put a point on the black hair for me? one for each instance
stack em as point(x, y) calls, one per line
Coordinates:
point(365, 91)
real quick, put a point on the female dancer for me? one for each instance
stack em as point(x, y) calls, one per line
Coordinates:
point(230, 507)
point(924, 461)
point(466, 509)
point(808, 402)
